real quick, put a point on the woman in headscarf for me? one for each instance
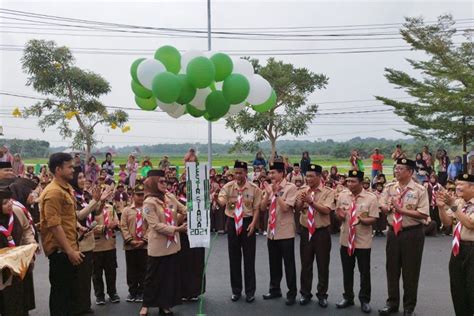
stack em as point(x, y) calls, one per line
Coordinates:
point(162, 279)
point(15, 300)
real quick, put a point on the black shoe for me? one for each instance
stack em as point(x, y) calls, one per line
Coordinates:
point(270, 296)
point(130, 298)
point(365, 307)
point(100, 301)
point(344, 303)
point(387, 310)
point(114, 298)
point(408, 313)
point(304, 300)
point(139, 298)
point(290, 301)
point(165, 312)
point(235, 297)
point(249, 298)
point(323, 302)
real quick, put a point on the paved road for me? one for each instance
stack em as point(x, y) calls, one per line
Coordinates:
point(433, 293)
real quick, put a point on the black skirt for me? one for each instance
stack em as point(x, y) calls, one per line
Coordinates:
point(191, 261)
point(162, 286)
point(14, 299)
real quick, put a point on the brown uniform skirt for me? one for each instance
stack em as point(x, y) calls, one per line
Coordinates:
point(162, 286)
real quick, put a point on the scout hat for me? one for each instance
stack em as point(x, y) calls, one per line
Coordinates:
point(139, 188)
point(406, 162)
point(356, 174)
point(466, 177)
point(277, 165)
point(315, 168)
point(366, 180)
point(296, 164)
point(240, 164)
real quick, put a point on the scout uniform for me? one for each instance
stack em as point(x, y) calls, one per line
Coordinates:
point(356, 241)
point(121, 199)
point(295, 175)
point(405, 241)
point(105, 255)
point(134, 227)
point(241, 203)
point(461, 264)
point(381, 223)
point(319, 244)
point(162, 279)
point(281, 238)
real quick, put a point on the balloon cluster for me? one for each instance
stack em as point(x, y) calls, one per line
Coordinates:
point(212, 87)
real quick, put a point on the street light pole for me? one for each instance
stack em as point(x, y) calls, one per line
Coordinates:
point(209, 124)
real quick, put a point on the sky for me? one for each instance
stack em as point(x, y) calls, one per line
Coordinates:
point(354, 79)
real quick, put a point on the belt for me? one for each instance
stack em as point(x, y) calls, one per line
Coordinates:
point(408, 228)
point(467, 243)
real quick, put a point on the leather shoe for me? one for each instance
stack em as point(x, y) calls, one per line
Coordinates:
point(387, 310)
point(304, 300)
point(365, 307)
point(408, 313)
point(323, 302)
point(344, 303)
point(270, 296)
point(249, 298)
point(235, 297)
point(290, 301)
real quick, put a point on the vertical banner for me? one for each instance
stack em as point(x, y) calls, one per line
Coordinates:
point(198, 204)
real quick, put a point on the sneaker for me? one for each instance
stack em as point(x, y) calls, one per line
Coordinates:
point(139, 298)
point(131, 298)
point(114, 298)
point(100, 301)
point(264, 233)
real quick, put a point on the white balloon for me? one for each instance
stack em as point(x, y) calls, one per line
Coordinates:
point(243, 67)
point(260, 90)
point(147, 70)
point(186, 58)
point(167, 107)
point(234, 109)
point(199, 101)
point(218, 85)
point(179, 111)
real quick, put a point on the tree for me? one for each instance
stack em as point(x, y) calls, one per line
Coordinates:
point(290, 115)
point(52, 72)
point(444, 108)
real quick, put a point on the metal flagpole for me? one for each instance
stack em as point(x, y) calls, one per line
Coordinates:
point(209, 124)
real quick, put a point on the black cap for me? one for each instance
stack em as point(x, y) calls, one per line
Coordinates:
point(5, 194)
point(277, 165)
point(5, 164)
point(156, 173)
point(406, 162)
point(355, 174)
point(315, 168)
point(296, 164)
point(466, 177)
point(240, 164)
point(139, 188)
point(366, 180)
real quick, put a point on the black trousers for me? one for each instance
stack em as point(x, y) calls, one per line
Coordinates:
point(105, 262)
point(348, 265)
point(319, 247)
point(282, 250)
point(63, 279)
point(238, 246)
point(84, 283)
point(404, 254)
point(218, 219)
point(136, 268)
point(461, 274)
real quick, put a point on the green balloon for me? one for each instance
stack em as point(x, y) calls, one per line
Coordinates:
point(170, 57)
point(267, 105)
point(200, 72)
point(210, 118)
point(140, 91)
point(216, 104)
point(166, 87)
point(236, 88)
point(133, 69)
point(146, 104)
point(193, 111)
point(187, 90)
point(223, 64)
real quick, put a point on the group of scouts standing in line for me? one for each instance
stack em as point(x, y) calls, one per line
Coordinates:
point(78, 226)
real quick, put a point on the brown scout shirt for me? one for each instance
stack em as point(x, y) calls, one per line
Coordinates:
point(101, 243)
point(251, 193)
point(293, 177)
point(128, 223)
point(324, 196)
point(466, 233)
point(27, 237)
point(285, 227)
point(416, 199)
point(366, 205)
point(57, 207)
point(158, 229)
